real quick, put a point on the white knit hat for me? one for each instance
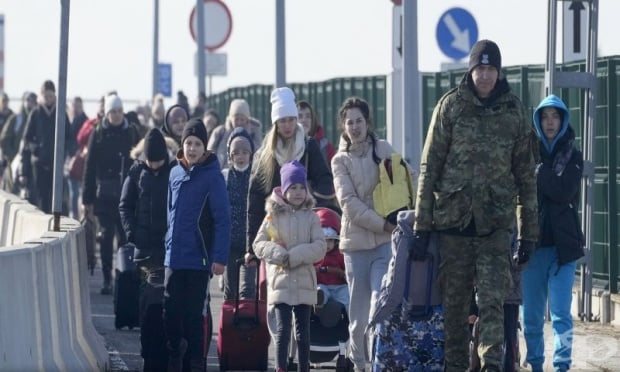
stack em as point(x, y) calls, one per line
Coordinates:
point(282, 104)
point(239, 106)
point(112, 102)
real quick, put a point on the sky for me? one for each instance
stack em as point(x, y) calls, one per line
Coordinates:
point(111, 41)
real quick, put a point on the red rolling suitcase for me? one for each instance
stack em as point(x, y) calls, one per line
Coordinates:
point(243, 342)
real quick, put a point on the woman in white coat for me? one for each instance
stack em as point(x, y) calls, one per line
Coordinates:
point(365, 235)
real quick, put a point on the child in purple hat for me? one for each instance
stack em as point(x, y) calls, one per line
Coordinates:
point(290, 240)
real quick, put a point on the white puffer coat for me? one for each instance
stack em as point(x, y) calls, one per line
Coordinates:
point(356, 174)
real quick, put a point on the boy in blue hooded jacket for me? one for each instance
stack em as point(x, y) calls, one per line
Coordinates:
point(197, 243)
point(550, 273)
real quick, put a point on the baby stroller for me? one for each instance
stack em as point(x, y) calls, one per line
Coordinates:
point(329, 335)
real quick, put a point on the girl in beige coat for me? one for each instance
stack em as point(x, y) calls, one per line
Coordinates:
point(290, 240)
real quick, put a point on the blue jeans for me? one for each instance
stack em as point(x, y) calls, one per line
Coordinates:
point(75, 189)
point(339, 292)
point(543, 280)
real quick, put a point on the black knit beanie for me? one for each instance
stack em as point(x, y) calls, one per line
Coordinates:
point(155, 146)
point(485, 52)
point(195, 127)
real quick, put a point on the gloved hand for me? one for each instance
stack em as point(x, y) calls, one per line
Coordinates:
point(419, 247)
point(524, 249)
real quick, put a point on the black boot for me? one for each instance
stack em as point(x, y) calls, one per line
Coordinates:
point(107, 282)
point(175, 356)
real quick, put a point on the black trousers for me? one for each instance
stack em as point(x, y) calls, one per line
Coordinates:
point(184, 297)
point(110, 225)
point(284, 323)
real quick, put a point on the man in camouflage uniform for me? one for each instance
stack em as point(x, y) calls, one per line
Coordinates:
point(477, 170)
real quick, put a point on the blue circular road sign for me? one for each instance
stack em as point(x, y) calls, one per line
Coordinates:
point(456, 33)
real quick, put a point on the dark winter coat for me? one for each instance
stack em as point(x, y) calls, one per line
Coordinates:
point(39, 135)
point(559, 182)
point(237, 183)
point(107, 165)
point(75, 126)
point(12, 133)
point(319, 177)
point(558, 201)
point(143, 209)
point(198, 216)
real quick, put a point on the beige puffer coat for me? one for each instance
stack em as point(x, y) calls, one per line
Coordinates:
point(355, 177)
point(291, 277)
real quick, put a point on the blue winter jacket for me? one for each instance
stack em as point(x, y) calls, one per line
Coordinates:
point(198, 216)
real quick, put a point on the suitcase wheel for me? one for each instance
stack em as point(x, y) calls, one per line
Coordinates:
point(344, 364)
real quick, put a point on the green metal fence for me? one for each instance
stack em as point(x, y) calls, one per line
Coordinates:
point(326, 98)
point(528, 83)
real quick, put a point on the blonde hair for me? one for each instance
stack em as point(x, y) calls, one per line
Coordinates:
point(265, 164)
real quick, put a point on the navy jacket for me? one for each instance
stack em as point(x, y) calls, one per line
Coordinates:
point(559, 182)
point(198, 216)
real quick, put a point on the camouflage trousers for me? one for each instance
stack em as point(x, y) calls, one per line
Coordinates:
point(465, 262)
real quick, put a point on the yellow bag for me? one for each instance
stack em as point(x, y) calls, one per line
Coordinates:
point(395, 193)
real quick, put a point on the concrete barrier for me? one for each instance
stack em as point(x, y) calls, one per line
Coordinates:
point(5, 218)
point(45, 319)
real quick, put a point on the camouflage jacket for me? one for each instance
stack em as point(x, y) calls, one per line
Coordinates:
point(478, 163)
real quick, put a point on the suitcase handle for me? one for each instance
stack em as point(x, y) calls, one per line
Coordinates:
point(240, 262)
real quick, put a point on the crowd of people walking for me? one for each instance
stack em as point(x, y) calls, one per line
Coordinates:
point(198, 196)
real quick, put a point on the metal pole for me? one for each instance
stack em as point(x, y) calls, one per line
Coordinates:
point(61, 103)
point(280, 45)
point(551, 43)
point(155, 46)
point(412, 128)
point(200, 59)
point(588, 142)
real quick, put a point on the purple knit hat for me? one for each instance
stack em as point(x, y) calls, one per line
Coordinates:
point(291, 173)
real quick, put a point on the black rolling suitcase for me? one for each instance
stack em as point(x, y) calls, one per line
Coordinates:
point(126, 289)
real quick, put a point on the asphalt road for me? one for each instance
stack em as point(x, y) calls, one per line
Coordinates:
point(124, 345)
point(596, 347)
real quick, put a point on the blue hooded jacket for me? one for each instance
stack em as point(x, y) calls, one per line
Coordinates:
point(551, 101)
point(198, 216)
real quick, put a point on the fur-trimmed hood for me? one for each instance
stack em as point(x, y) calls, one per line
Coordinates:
point(276, 204)
point(138, 150)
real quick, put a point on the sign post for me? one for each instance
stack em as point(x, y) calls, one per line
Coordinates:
point(164, 79)
point(574, 31)
point(218, 21)
point(456, 33)
point(216, 16)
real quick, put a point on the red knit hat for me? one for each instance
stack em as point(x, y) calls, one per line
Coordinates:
point(329, 218)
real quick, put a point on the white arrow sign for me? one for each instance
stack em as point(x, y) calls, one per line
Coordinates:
point(461, 37)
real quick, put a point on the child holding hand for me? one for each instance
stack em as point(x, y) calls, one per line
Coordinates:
point(290, 240)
